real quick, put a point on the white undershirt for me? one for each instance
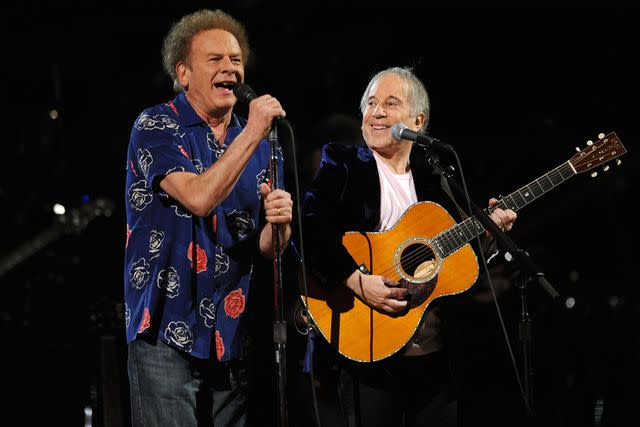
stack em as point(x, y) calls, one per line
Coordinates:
point(397, 194)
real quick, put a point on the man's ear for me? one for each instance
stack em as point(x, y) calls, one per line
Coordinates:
point(183, 74)
point(420, 119)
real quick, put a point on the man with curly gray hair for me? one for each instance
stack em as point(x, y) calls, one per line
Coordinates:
point(199, 212)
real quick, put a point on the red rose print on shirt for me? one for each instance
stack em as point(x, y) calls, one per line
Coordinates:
point(234, 303)
point(146, 321)
point(201, 258)
point(219, 346)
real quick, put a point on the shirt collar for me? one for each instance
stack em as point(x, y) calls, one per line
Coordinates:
point(188, 116)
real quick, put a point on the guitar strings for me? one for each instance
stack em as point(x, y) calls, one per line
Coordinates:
point(412, 261)
point(447, 238)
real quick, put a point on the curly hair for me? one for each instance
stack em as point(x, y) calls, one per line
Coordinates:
point(177, 43)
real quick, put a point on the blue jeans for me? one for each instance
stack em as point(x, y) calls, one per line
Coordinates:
point(171, 388)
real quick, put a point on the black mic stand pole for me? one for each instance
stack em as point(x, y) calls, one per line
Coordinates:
point(533, 271)
point(279, 324)
point(525, 335)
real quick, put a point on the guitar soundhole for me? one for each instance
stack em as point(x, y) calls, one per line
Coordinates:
point(418, 262)
point(417, 265)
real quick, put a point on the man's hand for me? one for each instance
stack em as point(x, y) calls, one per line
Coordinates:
point(378, 292)
point(262, 111)
point(504, 219)
point(278, 207)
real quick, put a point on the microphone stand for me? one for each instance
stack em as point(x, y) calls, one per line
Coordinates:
point(279, 324)
point(530, 268)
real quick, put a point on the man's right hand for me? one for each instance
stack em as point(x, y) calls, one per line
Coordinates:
point(378, 292)
point(262, 111)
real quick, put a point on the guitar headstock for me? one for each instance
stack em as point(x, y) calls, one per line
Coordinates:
point(606, 148)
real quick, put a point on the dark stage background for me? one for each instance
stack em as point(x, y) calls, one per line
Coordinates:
point(513, 90)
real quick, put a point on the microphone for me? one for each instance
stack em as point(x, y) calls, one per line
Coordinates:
point(400, 132)
point(245, 94)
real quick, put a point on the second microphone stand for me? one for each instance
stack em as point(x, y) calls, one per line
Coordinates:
point(531, 270)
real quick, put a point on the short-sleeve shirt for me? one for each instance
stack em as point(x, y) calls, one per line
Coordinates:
point(186, 278)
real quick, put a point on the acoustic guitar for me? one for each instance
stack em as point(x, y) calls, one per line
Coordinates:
point(427, 252)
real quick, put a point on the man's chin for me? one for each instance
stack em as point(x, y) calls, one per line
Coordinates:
point(225, 104)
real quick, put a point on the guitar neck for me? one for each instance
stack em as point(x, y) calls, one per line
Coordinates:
point(460, 234)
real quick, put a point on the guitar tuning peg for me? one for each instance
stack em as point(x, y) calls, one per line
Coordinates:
point(600, 135)
point(589, 142)
point(578, 149)
point(618, 162)
point(594, 174)
point(606, 168)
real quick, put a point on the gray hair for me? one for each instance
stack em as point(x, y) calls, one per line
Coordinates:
point(177, 43)
point(415, 89)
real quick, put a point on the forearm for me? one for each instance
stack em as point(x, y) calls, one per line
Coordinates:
point(200, 194)
point(354, 282)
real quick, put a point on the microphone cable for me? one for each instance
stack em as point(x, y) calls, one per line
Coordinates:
point(296, 180)
point(503, 328)
point(245, 93)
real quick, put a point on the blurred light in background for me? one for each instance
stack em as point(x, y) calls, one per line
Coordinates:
point(570, 302)
point(59, 209)
point(574, 276)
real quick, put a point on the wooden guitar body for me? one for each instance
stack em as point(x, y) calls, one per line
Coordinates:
point(364, 334)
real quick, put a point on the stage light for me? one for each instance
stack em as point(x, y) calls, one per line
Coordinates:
point(59, 209)
point(570, 302)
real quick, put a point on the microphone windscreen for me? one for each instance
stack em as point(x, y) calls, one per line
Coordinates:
point(396, 131)
point(244, 92)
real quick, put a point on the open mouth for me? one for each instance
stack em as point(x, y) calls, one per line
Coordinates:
point(225, 85)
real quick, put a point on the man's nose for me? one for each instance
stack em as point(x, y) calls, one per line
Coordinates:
point(379, 111)
point(228, 65)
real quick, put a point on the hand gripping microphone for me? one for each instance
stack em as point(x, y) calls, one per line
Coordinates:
point(245, 94)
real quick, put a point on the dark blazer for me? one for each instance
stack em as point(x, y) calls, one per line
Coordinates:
point(345, 196)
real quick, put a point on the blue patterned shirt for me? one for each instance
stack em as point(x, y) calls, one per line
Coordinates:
point(186, 278)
